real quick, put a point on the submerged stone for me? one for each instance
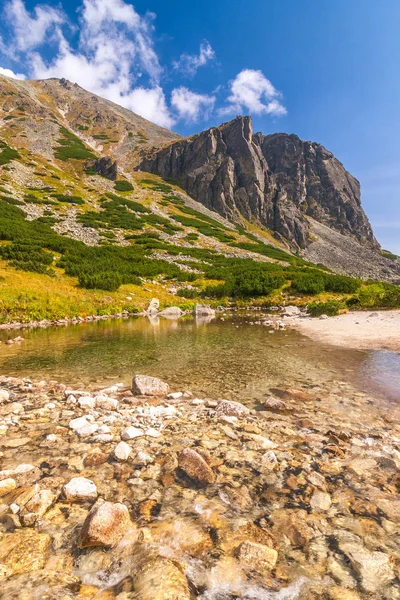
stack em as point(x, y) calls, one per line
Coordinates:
point(144, 385)
point(105, 525)
point(195, 466)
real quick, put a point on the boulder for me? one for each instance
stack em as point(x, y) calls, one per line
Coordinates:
point(130, 433)
point(103, 166)
point(195, 466)
point(257, 557)
point(152, 306)
point(373, 568)
point(275, 405)
point(105, 525)
point(122, 451)
point(144, 385)
point(41, 502)
point(320, 502)
point(203, 310)
point(172, 312)
point(4, 396)
point(80, 489)
point(7, 486)
point(232, 409)
point(24, 551)
point(159, 578)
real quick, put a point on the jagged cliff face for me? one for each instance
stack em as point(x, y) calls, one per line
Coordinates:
point(276, 180)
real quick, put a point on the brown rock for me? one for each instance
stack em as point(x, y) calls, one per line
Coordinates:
point(275, 405)
point(24, 551)
point(195, 466)
point(105, 525)
point(293, 525)
point(159, 578)
point(181, 535)
point(257, 557)
point(143, 385)
point(232, 409)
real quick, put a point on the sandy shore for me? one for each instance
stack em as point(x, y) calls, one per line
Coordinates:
point(367, 329)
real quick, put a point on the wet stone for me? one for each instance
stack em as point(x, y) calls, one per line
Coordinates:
point(105, 525)
point(80, 489)
point(195, 466)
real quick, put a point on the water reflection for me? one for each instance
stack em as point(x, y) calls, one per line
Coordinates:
point(219, 357)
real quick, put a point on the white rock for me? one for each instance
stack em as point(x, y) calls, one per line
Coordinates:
point(197, 402)
point(175, 395)
point(122, 451)
point(4, 396)
point(78, 423)
point(106, 403)
point(80, 488)
point(51, 437)
point(87, 402)
point(14, 508)
point(151, 432)
point(104, 429)
point(131, 433)
point(3, 429)
point(320, 501)
point(50, 405)
point(7, 486)
point(88, 429)
point(142, 458)
point(103, 438)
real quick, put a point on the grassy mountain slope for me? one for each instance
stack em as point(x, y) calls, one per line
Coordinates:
point(74, 243)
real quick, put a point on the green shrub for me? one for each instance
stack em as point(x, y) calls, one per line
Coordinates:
point(123, 186)
point(187, 276)
point(69, 199)
point(330, 308)
point(187, 293)
point(308, 283)
point(7, 154)
point(103, 281)
point(70, 146)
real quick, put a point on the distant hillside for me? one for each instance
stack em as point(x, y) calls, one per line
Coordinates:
point(83, 232)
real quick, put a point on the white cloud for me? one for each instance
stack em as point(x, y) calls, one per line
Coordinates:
point(252, 91)
point(191, 106)
point(10, 73)
point(113, 56)
point(115, 50)
point(189, 63)
point(150, 103)
point(31, 31)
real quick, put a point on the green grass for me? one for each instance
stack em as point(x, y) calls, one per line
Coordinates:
point(123, 186)
point(7, 154)
point(70, 146)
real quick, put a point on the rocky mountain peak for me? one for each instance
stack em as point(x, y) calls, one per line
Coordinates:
point(278, 181)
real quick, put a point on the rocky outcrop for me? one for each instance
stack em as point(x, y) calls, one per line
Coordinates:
point(277, 180)
point(103, 166)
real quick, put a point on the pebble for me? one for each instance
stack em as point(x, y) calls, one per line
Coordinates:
point(80, 489)
point(130, 433)
point(122, 451)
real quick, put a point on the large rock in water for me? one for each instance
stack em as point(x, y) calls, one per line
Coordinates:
point(195, 466)
point(274, 179)
point(144, 385)
point(159, 578)
point(105, 525)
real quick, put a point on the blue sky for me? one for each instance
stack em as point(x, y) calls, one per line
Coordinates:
point(327, 71)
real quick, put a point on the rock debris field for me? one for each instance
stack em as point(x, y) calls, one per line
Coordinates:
point(147, 493)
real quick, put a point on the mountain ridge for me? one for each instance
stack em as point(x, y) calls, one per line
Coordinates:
point(72, 161)
point(276, 179)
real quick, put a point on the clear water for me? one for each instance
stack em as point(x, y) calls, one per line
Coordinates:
point(224, 358)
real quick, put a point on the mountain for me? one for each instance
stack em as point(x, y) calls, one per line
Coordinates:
point(94, 197)
point(277, 180)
